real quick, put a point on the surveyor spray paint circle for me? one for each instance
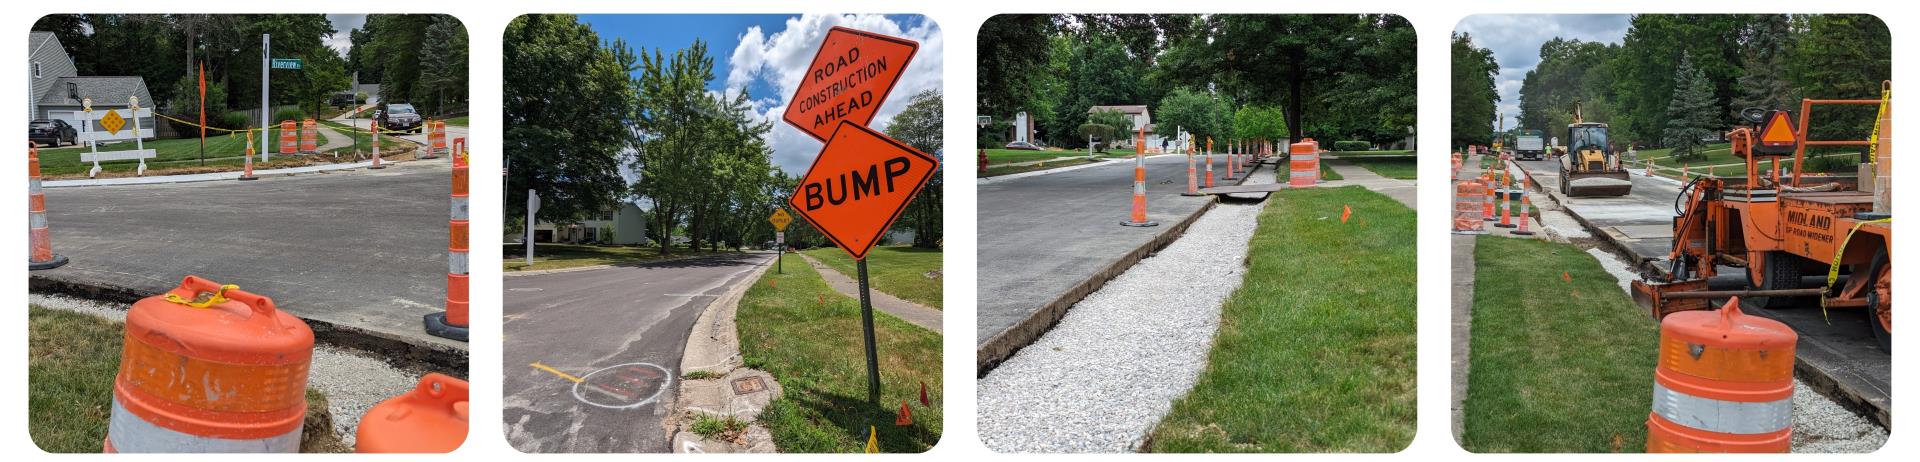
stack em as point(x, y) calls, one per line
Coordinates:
point(623, 386)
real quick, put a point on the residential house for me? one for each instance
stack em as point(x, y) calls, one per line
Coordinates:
point(626, 226)
point(58, 90)
point(1142, 119)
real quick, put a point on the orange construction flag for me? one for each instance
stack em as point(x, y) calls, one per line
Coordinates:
point(1564, 276)
point(1345, 212)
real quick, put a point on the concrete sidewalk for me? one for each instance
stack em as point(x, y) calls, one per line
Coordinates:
point(1400, 190)
point(914, 313)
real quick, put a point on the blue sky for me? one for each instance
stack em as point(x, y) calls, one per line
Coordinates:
point(1515, 42)
point(766, 54)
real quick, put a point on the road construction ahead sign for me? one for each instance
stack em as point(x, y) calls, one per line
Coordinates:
point(1777, 137)
point(780, 219)
point(859, 185)
point(848, 80)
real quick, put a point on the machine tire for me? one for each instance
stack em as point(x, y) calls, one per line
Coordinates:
point(1781, 270)
point(1881, 269)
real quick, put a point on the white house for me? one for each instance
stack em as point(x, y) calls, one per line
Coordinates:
point(1142, 119)
point(58, 90)
point(627, 226)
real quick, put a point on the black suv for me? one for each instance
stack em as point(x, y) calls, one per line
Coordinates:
point(53, 132)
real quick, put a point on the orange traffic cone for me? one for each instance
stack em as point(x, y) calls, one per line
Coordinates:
point(1138, 216)
point(246, 174)
point(906, 415)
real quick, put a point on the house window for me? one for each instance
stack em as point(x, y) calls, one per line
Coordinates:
point(73, 91)
point(36, 69)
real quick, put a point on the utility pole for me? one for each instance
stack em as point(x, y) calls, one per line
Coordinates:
point(266, 114)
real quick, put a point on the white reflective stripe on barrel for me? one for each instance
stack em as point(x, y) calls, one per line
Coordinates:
point(459, 208)
point(1300, 173)
point(36, 220)
point(457, 263)
point(130, 433)
point(1736, 417)
point(33, 185)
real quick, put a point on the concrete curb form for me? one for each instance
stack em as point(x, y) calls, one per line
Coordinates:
point(713, 348)
point(397, 351)
point(1003, 345)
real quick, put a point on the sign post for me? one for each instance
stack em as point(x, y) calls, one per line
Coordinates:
point(266, 112)
point(533, 207)
point(780, 220)
point(862, 180)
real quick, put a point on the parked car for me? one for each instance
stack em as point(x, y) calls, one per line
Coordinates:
point(401, 117)
point(53, 132)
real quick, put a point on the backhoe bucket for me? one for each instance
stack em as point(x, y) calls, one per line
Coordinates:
point(1652, 296)
point(1598, 184)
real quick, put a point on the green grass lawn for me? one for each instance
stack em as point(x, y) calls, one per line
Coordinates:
point(993, 170)
point(1397, 168)
point(1401, 152)
point(1557, 366)
point(816, 353)
point(1311, 357)
point(1326, 172)
point(557, 256)
point(65, 161)
point(72, 359)
point(899, 270)
point(458, 121)
point(1000, 156)
point(1719, 153)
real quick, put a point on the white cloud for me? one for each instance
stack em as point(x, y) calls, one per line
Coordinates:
point(780, 59)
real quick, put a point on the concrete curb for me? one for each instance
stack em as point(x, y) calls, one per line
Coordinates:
point(508, 274)
point(202, 177)
point(399, 352)
point(1015, 176)
point(1008, 342)
point(713, 347)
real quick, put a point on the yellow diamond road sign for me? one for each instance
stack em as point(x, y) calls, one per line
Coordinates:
point(780, 219)
point(112, 122)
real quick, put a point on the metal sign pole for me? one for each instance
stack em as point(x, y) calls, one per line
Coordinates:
point(266, 114)
point(866, 323)
point(533, 205)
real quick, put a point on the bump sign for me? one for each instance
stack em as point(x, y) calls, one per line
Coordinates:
point(859, 185)
point(848, 80)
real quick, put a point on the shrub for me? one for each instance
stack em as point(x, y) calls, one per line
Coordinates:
point(232, 120)
point(289, 113)
point(1352, 145)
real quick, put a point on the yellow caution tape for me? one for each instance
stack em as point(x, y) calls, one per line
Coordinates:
point(1873, 144)
point(205, 299)
point(1833, 270)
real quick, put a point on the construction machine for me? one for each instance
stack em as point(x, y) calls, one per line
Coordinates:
point(1778, 226)
point(1591, 167)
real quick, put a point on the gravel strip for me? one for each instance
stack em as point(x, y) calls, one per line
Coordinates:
point(1822, 425)
point(352, 381)
point(1101, 379)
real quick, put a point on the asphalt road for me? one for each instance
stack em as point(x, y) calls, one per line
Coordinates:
point(1837, 347)
point(579, 322)
point(360, 249)
point(1041, 235)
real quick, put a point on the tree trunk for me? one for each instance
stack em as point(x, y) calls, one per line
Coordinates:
point(1294, 88)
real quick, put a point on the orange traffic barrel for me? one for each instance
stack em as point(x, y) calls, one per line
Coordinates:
point(1303, 165)
point(289, 137)
point(1724, 383)
point(1466, 207)
point(438, 137)
point(210, 368)
point(432, 418)
point(309, 137)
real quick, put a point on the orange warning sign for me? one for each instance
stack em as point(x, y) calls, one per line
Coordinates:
point(848, 80)
point(1777, 137)
point(780, 219)
point(859, 185)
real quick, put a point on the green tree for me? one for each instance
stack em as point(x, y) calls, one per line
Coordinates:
point(1692, 115)
point(1842, 56)
point(1259, 123)
point(1764, 74)
point(919, 126)
point(1013, 54)
point(442, 86)
point(563, 139)
point(1108, 124)
point(1188, 110)
point(1474, 97)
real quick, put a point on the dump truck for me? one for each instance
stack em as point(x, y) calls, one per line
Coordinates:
point(1530, 145)
point(1591, 167)
point(1778, 226)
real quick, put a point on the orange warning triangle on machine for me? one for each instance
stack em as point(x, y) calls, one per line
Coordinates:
point(1778, 133)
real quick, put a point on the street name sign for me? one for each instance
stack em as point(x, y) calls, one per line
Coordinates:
point(859, 185)
point(286, 63)
point(848, 80)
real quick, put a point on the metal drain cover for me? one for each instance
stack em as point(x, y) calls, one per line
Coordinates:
point(749, 385)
